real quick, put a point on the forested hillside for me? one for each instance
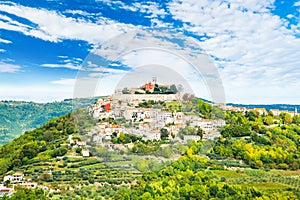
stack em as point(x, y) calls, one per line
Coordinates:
point(17, 117)
point(44, 141)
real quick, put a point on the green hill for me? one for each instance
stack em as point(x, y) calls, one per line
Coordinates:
point(16, 117)
point(257, 157)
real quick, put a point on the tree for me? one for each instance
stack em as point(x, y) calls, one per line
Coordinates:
point(268, 120)
point(200, 132)
point(296, 119)
point(78, 150)
point(59, 151)
point(28, 194)
point(252, 116)
point(164, 134)
point(30, 150)
point(173, 88)
point(4, 165)
point(234, 130)
point(286, 118)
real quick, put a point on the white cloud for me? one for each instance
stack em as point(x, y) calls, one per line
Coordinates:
point(2, 50)
point(53, 26)
point(67, 65)
point(152, 8)
point(100, 72)
point(5, 41)
point(9, 68)
point(297, 3)
point(253, 46)
point(65, 62)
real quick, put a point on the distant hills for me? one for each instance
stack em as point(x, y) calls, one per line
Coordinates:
point(16, 117)
point(289, 107)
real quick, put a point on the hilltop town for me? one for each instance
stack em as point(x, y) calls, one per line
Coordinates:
point(150, 112)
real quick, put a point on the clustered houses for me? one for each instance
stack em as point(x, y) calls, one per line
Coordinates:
point(147, 121)
point(237, 109)
point(102, 108)
point(17, 179)
point(277, 112)
point(76, 142)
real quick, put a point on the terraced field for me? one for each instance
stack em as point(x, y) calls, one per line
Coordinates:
point(90, 177)
point(262, 180)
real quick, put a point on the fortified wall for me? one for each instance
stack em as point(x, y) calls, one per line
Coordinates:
point(146, 97)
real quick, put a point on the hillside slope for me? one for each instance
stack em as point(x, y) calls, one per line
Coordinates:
point(16, 117)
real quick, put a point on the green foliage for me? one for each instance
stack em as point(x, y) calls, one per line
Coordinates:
point(296, 119)
point(186, 178)
point(286, 118)
point(27, 194)
point(145, 147)
point(152, 104)
point(16, 117)
point(164, 134)
point(234, 130)
point(34, 144)
point(78, 150)
point(277, 149)
point(59, 151)
point(268, 120)
point(173, 88)
point(124, 138)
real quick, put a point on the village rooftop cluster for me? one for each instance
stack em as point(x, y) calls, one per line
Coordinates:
point(144, 122)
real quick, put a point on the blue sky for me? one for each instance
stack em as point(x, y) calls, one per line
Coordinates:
point(254, 44)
